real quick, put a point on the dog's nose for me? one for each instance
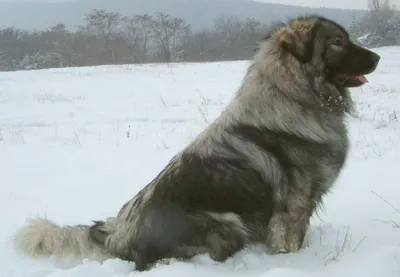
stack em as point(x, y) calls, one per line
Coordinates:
point(375, 58)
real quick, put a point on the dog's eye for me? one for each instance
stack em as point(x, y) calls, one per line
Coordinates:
point(338, 42)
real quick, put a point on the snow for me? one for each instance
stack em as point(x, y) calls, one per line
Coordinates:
point(76, 143)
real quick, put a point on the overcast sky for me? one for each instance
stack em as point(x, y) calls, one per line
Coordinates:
point(345, 4)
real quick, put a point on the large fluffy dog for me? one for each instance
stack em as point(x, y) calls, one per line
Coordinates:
point(255, 175)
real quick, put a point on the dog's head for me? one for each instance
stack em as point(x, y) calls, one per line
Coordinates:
point(326, 46)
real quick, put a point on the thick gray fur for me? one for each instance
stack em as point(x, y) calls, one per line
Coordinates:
point(256, 175)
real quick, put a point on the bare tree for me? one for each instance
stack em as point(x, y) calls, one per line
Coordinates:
point(144, 23)
point(380, 12)
point(15, 44)
point(3, 62)
point(138, 30)
point(236, 38)
point(252, 31)
point(103, 23)
point(169, 34)
point(57, 51)
point(381, 25)
point(105, 29)
point(200, 46)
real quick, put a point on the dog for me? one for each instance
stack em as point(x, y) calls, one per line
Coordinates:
point(256, 175)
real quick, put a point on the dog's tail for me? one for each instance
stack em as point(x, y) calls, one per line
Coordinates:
point(41, 237)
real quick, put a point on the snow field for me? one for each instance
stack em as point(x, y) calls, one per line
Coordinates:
point(76, 143)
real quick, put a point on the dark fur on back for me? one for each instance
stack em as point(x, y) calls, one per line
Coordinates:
point(256, 174)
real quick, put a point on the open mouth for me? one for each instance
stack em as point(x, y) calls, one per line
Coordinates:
point(349, 80)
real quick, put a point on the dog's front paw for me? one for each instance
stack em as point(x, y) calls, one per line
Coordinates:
point(274, 250)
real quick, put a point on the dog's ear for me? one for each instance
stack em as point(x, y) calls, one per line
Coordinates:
point(299, 41)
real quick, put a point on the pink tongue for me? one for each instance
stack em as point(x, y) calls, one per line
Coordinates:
point(362, 79)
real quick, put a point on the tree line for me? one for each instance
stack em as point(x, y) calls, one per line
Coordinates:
point(110, 38)
point(379, 27)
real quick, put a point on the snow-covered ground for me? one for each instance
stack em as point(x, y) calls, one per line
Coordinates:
point(75, 144)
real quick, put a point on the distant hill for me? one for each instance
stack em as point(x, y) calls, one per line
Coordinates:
point(199, 13)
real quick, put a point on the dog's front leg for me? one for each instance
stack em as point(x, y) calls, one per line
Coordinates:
point(299, 210)
point(277, 233)
point(288, 225)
